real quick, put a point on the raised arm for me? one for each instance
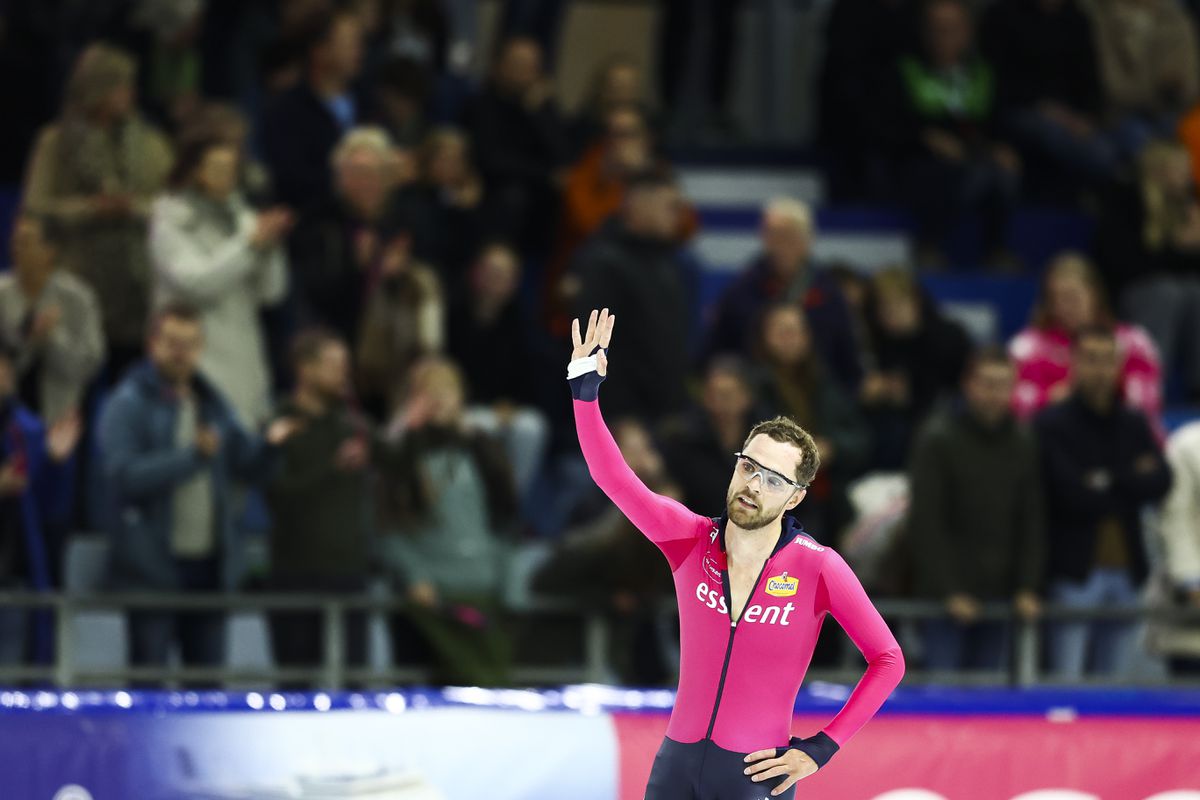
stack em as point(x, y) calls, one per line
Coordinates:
point(664, 521)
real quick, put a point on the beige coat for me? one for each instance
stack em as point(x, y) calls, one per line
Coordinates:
point(203, 257)
point(74, 350)
point(1148, 55)
point(71, 164)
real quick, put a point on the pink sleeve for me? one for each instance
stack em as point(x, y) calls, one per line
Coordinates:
point(845, 598)
point(664, 521)
point(1141, 376)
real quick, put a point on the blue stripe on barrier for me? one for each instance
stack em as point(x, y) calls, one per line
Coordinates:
point(590, 699)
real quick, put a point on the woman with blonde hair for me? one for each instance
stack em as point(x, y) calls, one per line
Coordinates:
point(450, 512)
point(95, 171)
point(1148, 246)
point(1072, 299)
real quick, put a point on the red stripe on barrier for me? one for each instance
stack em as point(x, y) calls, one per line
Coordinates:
point(974, 758)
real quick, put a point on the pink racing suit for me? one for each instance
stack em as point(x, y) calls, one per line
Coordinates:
point(738, 681)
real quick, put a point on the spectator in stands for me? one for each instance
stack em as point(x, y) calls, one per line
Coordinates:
point(1180, 526)
point(608, 564)
point(491, 339)
point(855, 286)
point(168, 35)
point(785, 271)
point(450, 198)
point(679, 24)
point(1148, 245)
point(338, 247)
point(520, 144)
point(225, 122)
point(1072, 299)
point(699, 445)
point(95, 171)
point(918, 357)
point(863, 41)
point(302, 125)
point(403, 318)
point(976, 525)
point(401, 94)
point(215, 254)
point(794, 382)
point(415, 31)
point(1048, 85)
point(319, 501)
point(1101, 466)
point(617, 84)
point(634, 267)
point(954, 159)
point(170, 447)
point(1149, 67)
point(593, 192)
point(450, 504)
point(52, 321)
point(35, 506)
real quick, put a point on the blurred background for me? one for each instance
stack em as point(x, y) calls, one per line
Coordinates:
point(287, 308)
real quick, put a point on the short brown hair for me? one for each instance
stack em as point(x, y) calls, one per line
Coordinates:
point(308, 345)
point(985, 356)
point(785, 429)
point(174, 310)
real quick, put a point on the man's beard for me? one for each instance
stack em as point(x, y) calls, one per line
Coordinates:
point(747, 518)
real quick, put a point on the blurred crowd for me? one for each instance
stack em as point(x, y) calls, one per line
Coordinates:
point(288, 255)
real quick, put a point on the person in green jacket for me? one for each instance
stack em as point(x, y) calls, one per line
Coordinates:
point(976, 523)
point(319, 499)
point(449, 504)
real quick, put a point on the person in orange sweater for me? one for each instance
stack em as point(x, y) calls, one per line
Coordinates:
point(593, 191)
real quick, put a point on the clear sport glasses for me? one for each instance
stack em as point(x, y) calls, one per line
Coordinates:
point(772, 481)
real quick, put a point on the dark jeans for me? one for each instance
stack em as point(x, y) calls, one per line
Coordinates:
point(952, 646)
point(298, 637)
point(199, 634)
point(1184, 666)
point(1094, 158)
point(941, 191)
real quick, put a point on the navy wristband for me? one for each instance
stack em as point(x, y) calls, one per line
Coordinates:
point(819, 748)
point(587, 386)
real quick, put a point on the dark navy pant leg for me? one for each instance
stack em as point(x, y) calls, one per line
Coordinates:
point(676, 771)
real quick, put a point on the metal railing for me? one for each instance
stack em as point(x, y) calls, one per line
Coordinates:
point(333, 673)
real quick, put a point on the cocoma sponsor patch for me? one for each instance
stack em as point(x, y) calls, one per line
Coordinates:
point(782, 585)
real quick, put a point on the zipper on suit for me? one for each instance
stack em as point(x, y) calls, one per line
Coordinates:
point(732, 632)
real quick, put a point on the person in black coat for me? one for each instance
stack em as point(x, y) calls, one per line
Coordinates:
point(490, 336)
point(1102, 467)
point(785, 271)
point(1148, 248)
point(338, 248)
point(521, 145)
point(448, 201)
point(1048, 84)
point(918, 358)
point(302, 125)
point(634, 268)
point(698, 446)
point(863, 40)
